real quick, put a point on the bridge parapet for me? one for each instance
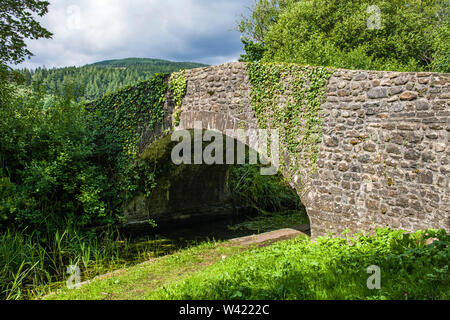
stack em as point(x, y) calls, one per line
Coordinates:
point(383, 155)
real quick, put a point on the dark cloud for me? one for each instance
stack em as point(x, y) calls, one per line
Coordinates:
point(86, 31)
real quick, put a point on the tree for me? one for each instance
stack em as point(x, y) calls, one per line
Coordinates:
point(264, 14)
point(254, 51)
point(354, 34)
point(254, 27)
point(17, 23)
point(441, 46)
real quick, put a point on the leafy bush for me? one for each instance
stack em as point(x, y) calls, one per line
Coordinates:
point(441, 59)
point(330, 268)
point(254, 51)
point(62, 164)
point(71, 167)
point(47, 173)
point(411, 37)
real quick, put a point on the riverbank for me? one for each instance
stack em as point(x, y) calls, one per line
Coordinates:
point(31, 270)
point(410, 266)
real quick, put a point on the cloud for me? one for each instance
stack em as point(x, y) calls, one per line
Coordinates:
point(86, 31)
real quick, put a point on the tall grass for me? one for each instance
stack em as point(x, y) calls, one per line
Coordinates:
point(31, 265)
point(263, 193)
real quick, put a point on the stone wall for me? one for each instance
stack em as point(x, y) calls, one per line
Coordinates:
point(383, 160)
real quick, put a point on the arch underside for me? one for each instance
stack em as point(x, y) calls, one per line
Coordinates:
point(159, 149)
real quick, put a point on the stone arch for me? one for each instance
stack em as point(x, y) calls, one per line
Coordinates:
point(152, 141)
point(223, 123)
point(203, 190)
point(383, 156)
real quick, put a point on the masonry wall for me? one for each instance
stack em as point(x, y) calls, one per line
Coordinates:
point(384, 160)
point(384, 156)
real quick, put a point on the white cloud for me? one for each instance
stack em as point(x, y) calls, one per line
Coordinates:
point(87, 31)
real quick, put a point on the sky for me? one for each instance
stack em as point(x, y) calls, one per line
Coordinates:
point(88, 31)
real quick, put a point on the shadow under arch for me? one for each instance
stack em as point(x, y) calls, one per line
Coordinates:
point(192, 193)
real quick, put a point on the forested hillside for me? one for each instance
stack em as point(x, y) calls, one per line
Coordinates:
point(93, 81)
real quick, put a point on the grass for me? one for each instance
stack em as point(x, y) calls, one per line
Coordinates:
point(136, 282)
point(33, 265)
point(329, 268)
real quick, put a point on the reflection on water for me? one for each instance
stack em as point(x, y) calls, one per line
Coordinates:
point(196, 232)
point(167, 239)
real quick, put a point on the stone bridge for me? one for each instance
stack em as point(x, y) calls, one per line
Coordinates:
point(383, 156)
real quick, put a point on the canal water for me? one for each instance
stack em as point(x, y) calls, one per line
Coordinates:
point(170, 238)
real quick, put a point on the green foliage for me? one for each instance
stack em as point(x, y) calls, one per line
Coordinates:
point(121, 119)
point(5, 86)
point(61, 164)
point(263, 14)
point(48, 175)
point(441, 46)
point(330, 268)
point(300, 122)
point(95, 80)
point(178, 86)
point(18, 22)
point(264, 193)
point(254, 51)
point(278, 204)
point(68, 166)
point(336, 33)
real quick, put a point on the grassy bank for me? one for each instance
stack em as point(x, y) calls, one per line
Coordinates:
point(33, 265)
point(138, 281)
point(329, 268)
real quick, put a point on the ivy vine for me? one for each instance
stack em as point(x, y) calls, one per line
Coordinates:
point(123, 115)
point(288, 97)
point(285, 97)
point(178, 86)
